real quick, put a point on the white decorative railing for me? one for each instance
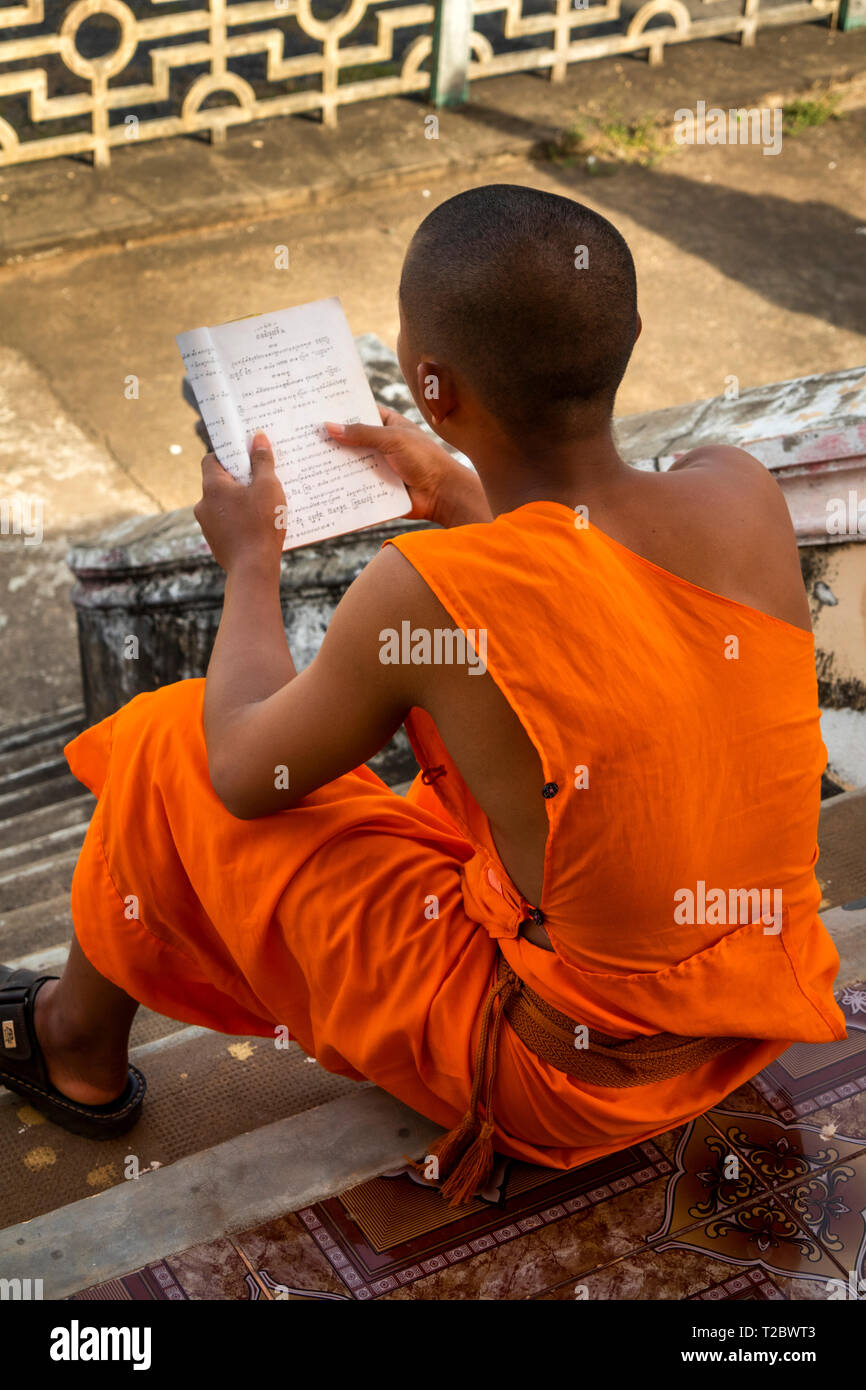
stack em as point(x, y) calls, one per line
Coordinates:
point(100, 101)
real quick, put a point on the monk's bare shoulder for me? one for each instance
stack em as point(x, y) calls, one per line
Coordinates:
point(725, 461)
point(397, 587)
point(386, 594)
point(387, 590)
point(718, 455)
point(723, 473)
point(738, 514)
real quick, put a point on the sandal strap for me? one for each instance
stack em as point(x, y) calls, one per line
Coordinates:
point(23, 1069)
point(18, 1042)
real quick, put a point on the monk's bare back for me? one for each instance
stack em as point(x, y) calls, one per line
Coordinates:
point(715, 519)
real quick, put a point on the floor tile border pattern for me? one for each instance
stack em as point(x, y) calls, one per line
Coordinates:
point(755, 1279)
point(262, 1287)
point(343, 1266)
point(800, 1109)
point(852, 1001)
point(154, 1283)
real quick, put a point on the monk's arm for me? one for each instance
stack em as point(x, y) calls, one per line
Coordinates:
point(250, 657)
point(273, 736)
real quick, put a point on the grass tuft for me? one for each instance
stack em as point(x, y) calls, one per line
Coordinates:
point(804, 112)
point(610, 140)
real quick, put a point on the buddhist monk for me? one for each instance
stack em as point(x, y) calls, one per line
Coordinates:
point(595, 912)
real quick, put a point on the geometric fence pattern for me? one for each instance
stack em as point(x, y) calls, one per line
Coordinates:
point(86, 77)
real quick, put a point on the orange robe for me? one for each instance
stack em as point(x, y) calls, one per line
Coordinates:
point(681, 732)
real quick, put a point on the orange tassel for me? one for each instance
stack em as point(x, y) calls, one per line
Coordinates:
point(450, 1149)
point(473, 1171)
point(465, 1154)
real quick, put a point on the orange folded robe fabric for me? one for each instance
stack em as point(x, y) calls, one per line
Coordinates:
point(680, 742)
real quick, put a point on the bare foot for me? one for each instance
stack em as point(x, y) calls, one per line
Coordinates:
point(81, 1066)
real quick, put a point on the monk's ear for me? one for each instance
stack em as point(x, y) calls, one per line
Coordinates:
point(639, 327)
point(437, 395)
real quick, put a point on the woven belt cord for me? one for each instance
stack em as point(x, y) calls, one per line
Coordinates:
point(465, 1154)
point(607, 1061)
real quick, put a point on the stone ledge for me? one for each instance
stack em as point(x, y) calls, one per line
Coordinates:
point(223, 1190)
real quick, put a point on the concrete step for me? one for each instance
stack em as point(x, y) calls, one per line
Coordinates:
point(37, 926)
point(40, 879)
point(847, 927)
point(44, 820)
point(205, 1088)
point(146, 1026)
point(50, 791)
point(234, 1186)
point(841, 867)
point(62, 724)
point(49, 744)
point(41, 847)
point(32, 770)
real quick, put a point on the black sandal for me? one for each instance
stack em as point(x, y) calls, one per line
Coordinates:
point(23, 1069)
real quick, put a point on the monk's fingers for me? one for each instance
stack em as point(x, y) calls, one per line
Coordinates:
point(261, 455)
point(360, 436)
point(395, 419)
point(211, 469)
point(214, 478)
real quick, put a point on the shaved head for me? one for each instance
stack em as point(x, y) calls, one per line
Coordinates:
point(530, 298)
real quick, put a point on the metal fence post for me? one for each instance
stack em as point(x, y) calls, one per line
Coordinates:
point(852, 14)
point(452, 26)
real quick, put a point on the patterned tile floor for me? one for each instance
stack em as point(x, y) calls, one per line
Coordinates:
point(762, 1198)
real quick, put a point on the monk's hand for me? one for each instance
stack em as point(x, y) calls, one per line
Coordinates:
point(243, 521)
point(432, 477)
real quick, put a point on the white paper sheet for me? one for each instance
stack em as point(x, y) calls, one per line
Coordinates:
point(286, 373)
